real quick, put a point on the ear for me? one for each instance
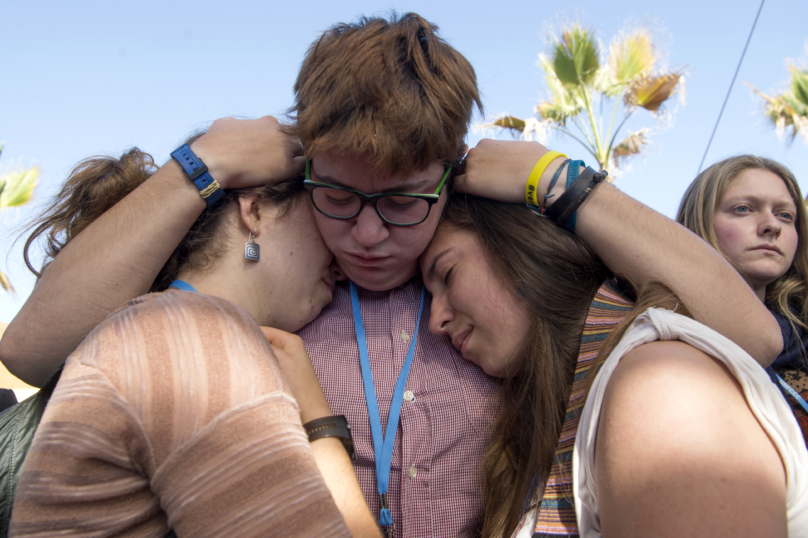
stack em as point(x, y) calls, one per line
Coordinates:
point(250, 214)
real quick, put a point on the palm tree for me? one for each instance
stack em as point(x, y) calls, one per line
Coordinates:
point(581, 86)
point(16, 189)
point(789, 110)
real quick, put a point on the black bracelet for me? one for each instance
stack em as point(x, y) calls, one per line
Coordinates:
point(336, 426)
point(563, 210)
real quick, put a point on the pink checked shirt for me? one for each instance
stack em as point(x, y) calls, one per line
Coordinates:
point(435, 484)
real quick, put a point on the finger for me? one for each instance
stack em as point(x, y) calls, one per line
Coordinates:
point(298, 164)
point(297, 148)
point(278, 338)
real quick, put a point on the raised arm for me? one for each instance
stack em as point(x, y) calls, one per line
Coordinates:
point(118, 256)
point(636, 242)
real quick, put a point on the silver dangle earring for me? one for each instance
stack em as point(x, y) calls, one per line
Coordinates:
point(252, 250)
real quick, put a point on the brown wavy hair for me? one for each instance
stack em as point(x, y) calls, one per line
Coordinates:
point(555, 276)
point(389, 89)
point(98, 183)
point(789, 293)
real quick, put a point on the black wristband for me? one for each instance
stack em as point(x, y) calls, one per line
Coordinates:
point(336, 426)
point(568, 203)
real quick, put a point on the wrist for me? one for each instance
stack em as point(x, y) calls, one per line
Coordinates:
point(309, 412)
point(197, 171)
point(560, 185)
point(215, 167)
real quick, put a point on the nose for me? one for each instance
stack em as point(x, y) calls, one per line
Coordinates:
point(440, 316)
point(769, 225)
point(369, 229)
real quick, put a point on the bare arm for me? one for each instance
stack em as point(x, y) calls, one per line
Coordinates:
point(636, 242)
point(679, 453)
point(329, 453)
point(118, 256)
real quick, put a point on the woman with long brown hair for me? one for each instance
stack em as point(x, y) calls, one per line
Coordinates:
point(682, 425)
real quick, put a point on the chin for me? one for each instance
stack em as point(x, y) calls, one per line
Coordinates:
point(378, 280)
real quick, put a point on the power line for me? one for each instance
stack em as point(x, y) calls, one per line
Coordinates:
point(748, 39)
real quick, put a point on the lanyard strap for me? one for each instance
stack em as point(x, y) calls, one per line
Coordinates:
point(182, 285)
point(382, 445)
point(794, 394)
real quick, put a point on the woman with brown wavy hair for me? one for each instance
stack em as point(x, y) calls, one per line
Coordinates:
point(751, 210)
point(683, 418)
point(178, 411)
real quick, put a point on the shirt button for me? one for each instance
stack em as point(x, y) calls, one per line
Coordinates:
point(412, 472)
point(405, 336)
point(409, 396)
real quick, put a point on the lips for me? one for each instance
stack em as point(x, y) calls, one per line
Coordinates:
point(771, 248)
point(367, 261)
point(460, 339)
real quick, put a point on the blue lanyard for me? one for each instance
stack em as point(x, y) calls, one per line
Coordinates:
point(382, 445)
point(182, 285)
point(794, 394)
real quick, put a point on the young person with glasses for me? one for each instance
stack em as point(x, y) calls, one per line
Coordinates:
point(381, 110)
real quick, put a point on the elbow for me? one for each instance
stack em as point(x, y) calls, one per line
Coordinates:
point(13, 362)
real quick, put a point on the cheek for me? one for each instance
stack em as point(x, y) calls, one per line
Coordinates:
point(730, 237)
point(790, 242)
point(333, 231)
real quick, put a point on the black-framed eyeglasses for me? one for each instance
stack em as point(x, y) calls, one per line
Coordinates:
point(396, 208)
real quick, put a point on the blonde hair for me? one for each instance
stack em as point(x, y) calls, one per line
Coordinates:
point(789, 293)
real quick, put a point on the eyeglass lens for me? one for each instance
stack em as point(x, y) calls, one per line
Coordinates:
point(394, 209)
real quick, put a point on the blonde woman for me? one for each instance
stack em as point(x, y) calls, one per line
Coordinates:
point(752, 211)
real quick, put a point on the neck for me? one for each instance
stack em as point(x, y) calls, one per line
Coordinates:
point(231, 279)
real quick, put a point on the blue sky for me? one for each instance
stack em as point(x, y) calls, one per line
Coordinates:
point(89, 77)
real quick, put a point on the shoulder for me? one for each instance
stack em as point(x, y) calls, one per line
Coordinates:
point(675, 430)
point(164, 324)
point(183, 308)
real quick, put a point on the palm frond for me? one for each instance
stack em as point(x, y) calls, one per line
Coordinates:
point(5, 283)
point(630, 146)
point(575, 56)
point(790, 108)
point(512, 123)
point(18, 187)
point(652, 91)
point(632, 55)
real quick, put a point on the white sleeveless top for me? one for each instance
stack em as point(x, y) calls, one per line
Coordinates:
point(763, 397)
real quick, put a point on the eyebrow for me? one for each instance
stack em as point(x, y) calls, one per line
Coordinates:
point(323, 178)
point(757, 199)
point(430, 273)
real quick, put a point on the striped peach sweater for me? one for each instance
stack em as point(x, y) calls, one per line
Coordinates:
point(173, 414)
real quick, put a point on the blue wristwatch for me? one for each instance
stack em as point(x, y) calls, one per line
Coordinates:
point(195, 169)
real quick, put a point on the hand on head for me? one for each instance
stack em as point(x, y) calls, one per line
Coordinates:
point(499, 170)
point(247, 153)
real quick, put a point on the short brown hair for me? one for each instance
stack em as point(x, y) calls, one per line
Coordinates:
point(388, 89)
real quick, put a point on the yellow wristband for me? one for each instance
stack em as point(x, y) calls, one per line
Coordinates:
point(531, 196)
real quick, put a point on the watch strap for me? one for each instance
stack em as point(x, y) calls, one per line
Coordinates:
point(335, 426)
point(195, 169)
